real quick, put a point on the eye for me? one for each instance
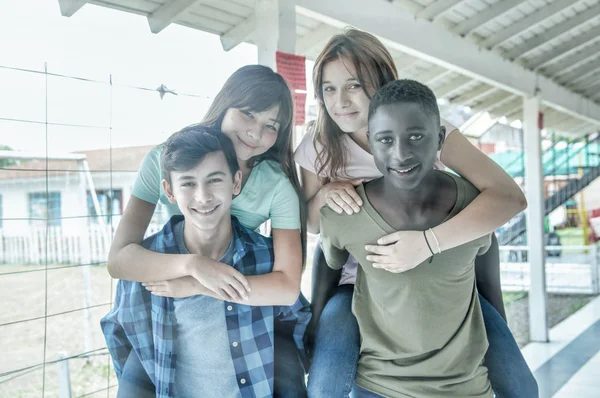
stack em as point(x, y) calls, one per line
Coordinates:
point(187, 184)
point(415, 137)
point(248, 114)
point(215, 180)
point(355, 86)
point(271, 127)
point(328, 89)
point(385, 140)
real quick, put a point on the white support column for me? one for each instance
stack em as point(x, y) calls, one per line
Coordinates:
point(275, 29)
point(538, 325)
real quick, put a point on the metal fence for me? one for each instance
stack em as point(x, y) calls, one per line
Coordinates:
point(569, 269)
point(54, 287)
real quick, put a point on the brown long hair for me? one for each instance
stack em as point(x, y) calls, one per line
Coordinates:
point(257, 88)
point(374, 68)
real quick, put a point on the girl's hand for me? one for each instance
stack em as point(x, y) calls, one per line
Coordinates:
point(225, 281)
point(399, 252)
point(341, 196)
point(178, 288)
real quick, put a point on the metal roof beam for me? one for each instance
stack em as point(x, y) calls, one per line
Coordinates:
point(494, 11)
point(580, 72)
point(564, 27)
point(404, 62)
point(452, 86)
point(586, 83)
point(572, 61)
point(238, 34)
point(469, 97)
point(168, 13)
point(437, 9)
point(430, 76)
point(308, 41)
point(563, 50)
point(564, 124)
point(70, 7)
point(508, 108)
point(526, 23)
point(593, 88)
point(401, 31)
point(493, 102)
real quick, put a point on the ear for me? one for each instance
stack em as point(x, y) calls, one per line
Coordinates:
point(169, 191)
point(237, 182)
point(442, 137)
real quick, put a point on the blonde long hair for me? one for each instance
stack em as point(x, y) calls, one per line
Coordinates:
point(374, 68)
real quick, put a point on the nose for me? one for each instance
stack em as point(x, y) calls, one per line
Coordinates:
point(403, 152)
point(343, 99)
point(203, 194)
point(254, 132)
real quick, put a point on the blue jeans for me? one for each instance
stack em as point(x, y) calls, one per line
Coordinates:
point(289, 371)
point(336, 348)
point(336, 351)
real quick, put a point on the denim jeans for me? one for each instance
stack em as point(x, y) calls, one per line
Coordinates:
point(336, 351)
point(508, 372)
point(289, 371)
point(336, 348)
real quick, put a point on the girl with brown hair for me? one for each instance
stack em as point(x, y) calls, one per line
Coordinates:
point(334, 157)
point(255, 110)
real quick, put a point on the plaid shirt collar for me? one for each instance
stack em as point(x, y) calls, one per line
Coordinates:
point(146, 323)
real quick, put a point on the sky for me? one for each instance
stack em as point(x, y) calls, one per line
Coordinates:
point(97, 43)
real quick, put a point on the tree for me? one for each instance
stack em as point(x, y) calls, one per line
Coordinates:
point(7, 162)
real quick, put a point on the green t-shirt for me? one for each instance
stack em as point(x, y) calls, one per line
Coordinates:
point(422, 332)
point(267, 194)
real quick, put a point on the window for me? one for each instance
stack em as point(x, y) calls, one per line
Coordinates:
point(110, 201)
point(44, 207)
point(1, 214)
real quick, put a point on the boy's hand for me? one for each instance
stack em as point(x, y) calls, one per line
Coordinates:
point(341, 196)
point(399, 252)
point(227, 283)
point(177, 288)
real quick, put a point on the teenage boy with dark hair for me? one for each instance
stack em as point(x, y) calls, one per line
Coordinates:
point(201, 346)
point(422, 332)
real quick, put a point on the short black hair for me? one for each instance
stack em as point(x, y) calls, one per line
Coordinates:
point(187, 147)
point(405, 90)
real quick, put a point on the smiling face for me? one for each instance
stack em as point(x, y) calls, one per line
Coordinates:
point(344, 96)
point(204, 193)
point(404, 140)
point(252, 133)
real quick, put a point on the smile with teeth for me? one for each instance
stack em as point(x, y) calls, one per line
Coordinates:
point(405, 170)
point(206, 211)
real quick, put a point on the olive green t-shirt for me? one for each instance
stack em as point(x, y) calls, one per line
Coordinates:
point(422, 332)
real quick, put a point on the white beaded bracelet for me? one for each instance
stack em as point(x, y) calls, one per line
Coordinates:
point(437, 242)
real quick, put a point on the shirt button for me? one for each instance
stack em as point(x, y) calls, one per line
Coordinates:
point(243, 381)
point(229, 308)
point(235, 344)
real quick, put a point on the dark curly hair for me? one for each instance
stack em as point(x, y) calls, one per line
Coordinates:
point(405, 90)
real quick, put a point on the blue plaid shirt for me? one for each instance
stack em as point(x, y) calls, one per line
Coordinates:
point(146, 323)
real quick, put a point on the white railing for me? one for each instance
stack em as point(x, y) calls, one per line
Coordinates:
point(574, 271)
point(89, 245)
point(569, 269)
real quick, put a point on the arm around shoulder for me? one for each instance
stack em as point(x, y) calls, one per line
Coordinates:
point(498, 192)
point(128, 260)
